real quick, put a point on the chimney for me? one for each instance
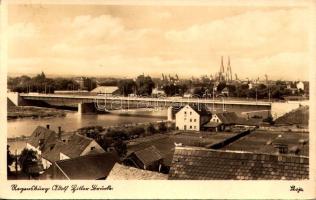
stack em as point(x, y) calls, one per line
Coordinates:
point(59, 132)
point(47, 126)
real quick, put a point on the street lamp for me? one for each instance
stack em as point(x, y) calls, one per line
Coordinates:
point(223, 104)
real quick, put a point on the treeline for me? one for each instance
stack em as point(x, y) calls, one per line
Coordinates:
point(40, 83)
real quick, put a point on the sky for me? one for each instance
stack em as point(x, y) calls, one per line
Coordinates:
point(128, 40)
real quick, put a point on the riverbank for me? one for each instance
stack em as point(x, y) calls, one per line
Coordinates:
point(16, 112)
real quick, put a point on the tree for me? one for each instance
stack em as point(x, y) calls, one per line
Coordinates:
point(10, 159)
point(144, 85)
point(151, 129)
point(29, 162)
point(221, 86)
point(162, 127)
point(126, 87)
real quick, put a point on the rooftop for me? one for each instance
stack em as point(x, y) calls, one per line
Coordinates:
point(299, 116)
point(121, 172)
point(262, 141)
point(76, 144)
point(148, 155)
point(194, 163)
point(166, 143)
point(92, 166)
point(41, 133)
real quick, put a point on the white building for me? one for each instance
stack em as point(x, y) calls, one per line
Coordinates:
point(300, 85)
point(191, 118)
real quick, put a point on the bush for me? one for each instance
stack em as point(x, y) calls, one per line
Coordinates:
point(136, 131)
point(151, 129)
point(162, 127)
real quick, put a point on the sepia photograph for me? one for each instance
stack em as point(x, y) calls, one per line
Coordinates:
point(158, 91)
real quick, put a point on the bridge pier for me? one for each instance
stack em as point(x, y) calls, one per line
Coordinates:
point(86, 108)
point(16, 99)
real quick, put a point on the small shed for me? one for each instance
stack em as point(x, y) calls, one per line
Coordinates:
point(149, 158)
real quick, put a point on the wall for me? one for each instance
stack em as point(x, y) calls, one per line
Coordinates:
point(183, 119)
point(86, 108)
point(46, 163)
point(93, 143)
point(63, 156)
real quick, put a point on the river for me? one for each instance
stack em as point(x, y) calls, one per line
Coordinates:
point(73, 121)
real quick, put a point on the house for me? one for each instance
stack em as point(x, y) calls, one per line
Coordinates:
point(156, 92)
point(105, 90)
point(192, 118)
point(223, 121)
point(195, 163)
point(76, 145)
point(225, 92)
point(149, 158)
point(300, 85)
point(39, 138)
point(88, 167)
point(121, 172)
point(51, 148)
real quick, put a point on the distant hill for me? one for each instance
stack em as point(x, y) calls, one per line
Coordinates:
point(297, 116)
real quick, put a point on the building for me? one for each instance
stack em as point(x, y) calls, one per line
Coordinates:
point(86, 83)
point(223, 121)
point(192, 118)
point(121, 172)
point(39, 138)
point(88, 167)
point(105, 90)
point(148, 158)
point(225, 92)
point(193, 163)
point(76, 145)
point(300, 85)
point(50, 146)
point(156, 92)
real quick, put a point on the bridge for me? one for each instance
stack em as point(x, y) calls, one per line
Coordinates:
point(91, 103)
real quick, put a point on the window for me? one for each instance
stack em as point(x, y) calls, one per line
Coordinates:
point(190, 120)
point(190, 113)
point(92, 148)
point(194, 127)
point(185, 112)
point(190, 127)
point(194, 120)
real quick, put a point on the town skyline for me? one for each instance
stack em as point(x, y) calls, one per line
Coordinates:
point(125, 40)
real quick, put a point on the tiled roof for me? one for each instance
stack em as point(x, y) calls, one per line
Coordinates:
point(105, 89)
point(201, 110)
point(41, 133)
point(74, 148)
point(121, 172)
point(205, 164)
point(228, 117)
point(76, 144)
point(90, 167)
point(148, 155)
point(52, 151)
point(296, 116)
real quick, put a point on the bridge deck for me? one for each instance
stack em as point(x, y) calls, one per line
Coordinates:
point(91, 98)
